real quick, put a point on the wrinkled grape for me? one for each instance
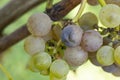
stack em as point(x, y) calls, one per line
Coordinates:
point(91, 41)
point(33, 44)
point(105, 55)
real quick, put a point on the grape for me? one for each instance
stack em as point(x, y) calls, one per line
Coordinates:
point(59, 68)
point(117, 2)
point(31, 66)
point(105, 55)
point(71, 35)
point(39, 24)
point(33, 44)
point(91, 41)
point(42, 60)
point(52, 77)
point(110, 15)
point(117, 55)
point(87, 21)
point(57, 32)
point(75, 56)
point(92, 2)
point(117, 72)
point(93, 59)
point(112, 68)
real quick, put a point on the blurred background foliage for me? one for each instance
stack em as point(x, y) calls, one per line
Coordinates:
point(15, 58)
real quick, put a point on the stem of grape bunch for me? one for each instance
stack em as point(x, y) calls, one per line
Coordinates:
point(75, 19)
point(49, 4)
point(55, 49)
point(102, 2)
point(6, 72)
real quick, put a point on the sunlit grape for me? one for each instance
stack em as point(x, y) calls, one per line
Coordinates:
point(110, 15)
point(117, 55)
point(91, 40)
point(75, 56)
point(105, 55)
point(33, 44)
point(31, 66)
point(42, 60)
point(39, 24)
point(59, 68)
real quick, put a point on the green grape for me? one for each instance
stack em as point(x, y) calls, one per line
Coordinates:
point(59, 68)
point(33, 44)
point(105, 55)
point(117, 2)
point(87, 21)
point(117, 55)
point(31, 66)
point(39, 24)
point(91, 40)
point(42, 60)
point(53, 77)
point(75, 56)
point(110, 15)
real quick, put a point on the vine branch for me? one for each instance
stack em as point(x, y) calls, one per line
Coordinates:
point(58, 11)
point(15, 9)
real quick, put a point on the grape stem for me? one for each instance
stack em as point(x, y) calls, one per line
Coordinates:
point(49, 4)
point(102, 2)
point(58, 23)
point(6, 72)
point(82, 7)
point(55, 49)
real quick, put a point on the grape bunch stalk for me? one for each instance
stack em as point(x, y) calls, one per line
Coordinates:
point(56, 47)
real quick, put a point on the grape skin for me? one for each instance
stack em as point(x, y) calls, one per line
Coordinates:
point(31, 66)
point(71, 35)
point(42, 61)
point(75, 56)
point(87, 21)
point(105, 55)
point(117, 55)
point(33, 44)
point(39, 24)
point(59, 68)
point(109, 15)
point(91, 40)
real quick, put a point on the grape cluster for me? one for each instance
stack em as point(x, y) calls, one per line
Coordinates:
point(57, 47)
